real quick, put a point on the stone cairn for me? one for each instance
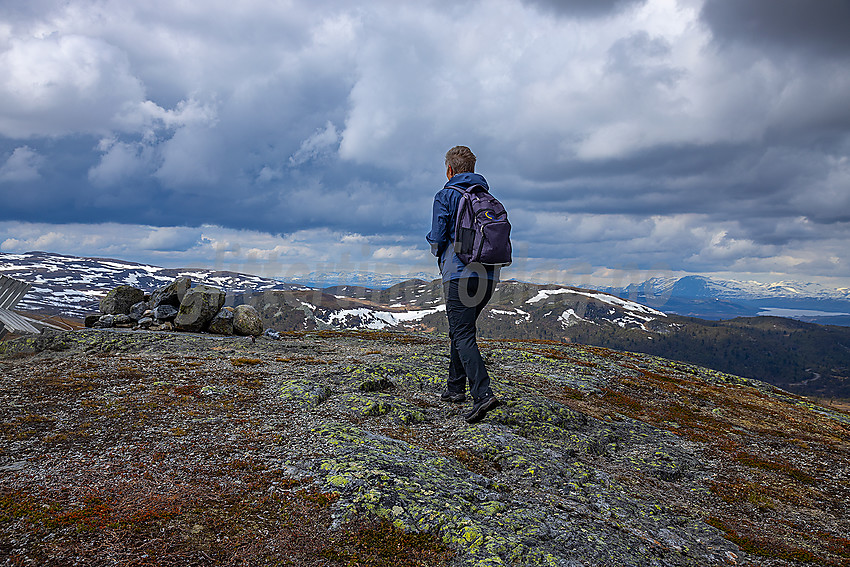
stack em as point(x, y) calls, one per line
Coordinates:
point(176, 306)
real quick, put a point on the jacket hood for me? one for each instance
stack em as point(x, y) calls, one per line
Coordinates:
point(468, 180)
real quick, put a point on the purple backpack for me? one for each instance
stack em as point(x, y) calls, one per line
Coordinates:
point(482, 230)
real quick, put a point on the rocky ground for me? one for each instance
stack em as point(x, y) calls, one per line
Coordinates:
point(333, 448)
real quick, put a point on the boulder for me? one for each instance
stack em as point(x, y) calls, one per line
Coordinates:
point(171, 294)
point(92, 319)
point(222, 323)
point(246, 321)
point(137, 311)
point(199, 306)
point(104, 322)
point(145, 323)
point(120, 300)
point(165, 312)
point(122, 320)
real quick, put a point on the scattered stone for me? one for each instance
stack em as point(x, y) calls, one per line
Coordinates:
point(105, 322)
point(199, 306)
point(246, 321)
point(271, 334)
point(120, 300)
point(165, 312)
point(137, 311)
point(122, 320)
point(167, 326)
point(14, 466)
point(145, 323)
point(222, 323)
point(171, 294)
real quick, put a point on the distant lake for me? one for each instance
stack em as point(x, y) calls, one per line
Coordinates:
point(793, 313)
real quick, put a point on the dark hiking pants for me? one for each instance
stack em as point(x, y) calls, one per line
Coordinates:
point(465, 299)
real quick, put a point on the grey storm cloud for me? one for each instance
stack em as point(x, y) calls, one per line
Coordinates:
point(822, 26)
point(627, 132)
point(583, 8)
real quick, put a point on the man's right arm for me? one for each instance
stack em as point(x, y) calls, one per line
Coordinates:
point(438, 237)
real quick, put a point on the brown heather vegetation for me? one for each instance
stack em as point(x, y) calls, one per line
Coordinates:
point(179, 452)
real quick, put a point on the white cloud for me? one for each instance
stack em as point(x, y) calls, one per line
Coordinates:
point(22, 165)
point(190, 158)
point(616, 137)
point(323, 141)
point(120, 162)
point(170, 238)
point(63, 84)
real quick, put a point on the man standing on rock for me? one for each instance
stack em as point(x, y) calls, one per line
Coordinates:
point(467, 289)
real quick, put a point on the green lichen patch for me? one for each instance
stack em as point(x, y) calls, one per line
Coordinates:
point(416, 372)
point(303, 392)
point(378, 404)
point(423, 491)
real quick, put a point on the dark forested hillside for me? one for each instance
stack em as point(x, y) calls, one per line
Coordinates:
point(804, 358)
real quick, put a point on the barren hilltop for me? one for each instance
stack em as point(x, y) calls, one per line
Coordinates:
point(333, 448)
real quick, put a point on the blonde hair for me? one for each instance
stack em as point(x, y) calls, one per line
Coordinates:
point(460, 159)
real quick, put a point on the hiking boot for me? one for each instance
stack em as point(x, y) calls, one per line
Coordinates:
point(453, 397)
point(480, 409)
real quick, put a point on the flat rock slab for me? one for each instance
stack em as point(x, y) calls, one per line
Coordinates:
point(598, 457)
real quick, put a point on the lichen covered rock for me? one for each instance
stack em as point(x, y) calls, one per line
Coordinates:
point(171, 294)
point(120, 300)
point(137, 311)
point(222, 323)
point(305, 393)
point(246, 321)
point(199, 306)
point(164, 312)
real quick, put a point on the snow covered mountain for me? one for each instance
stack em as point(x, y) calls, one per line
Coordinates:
point(516, 310)
point(709, 298)
point(705, 287)
point(72, 287)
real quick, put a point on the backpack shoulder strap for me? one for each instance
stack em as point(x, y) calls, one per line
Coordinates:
point(477, 188)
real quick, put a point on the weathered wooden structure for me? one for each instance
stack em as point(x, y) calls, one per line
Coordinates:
point(11, 292)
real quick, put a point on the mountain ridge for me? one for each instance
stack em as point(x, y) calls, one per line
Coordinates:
point(709, 298)
point(803, 358)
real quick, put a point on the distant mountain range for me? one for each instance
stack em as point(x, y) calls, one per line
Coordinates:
point(364, 279)
point(694, 296)
point(801, 357)
point(708, 298)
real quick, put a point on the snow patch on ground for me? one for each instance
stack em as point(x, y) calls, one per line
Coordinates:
point(365, 318)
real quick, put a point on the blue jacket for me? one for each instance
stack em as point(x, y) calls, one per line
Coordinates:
point(442, 233)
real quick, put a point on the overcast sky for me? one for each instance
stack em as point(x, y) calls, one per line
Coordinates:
point(626, 138)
